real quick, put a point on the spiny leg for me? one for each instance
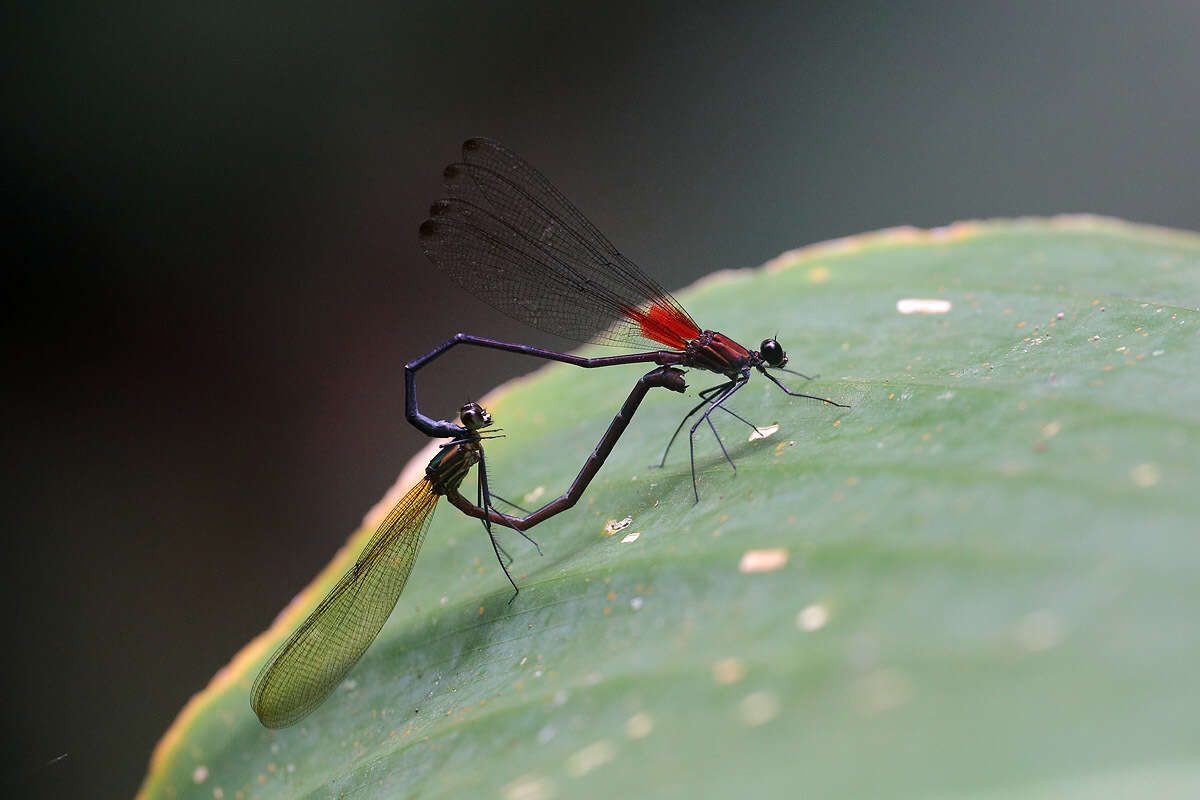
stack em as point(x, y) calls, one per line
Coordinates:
point(498, 549)
point(793, 372)
point(721, 444)
point(479, 499)
point(485, 502)
point(495, 496)
point(704, 393)
point(510, 503)
point(692, 440)
point(775, 381)
point(753, 427)
point(525, 535)
point(692, 433)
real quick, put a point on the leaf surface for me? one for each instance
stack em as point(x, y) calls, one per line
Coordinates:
point(978, 581)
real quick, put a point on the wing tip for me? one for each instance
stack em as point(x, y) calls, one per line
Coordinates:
point(480, 144)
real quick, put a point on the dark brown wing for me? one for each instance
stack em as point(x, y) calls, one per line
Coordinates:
point(506, 235)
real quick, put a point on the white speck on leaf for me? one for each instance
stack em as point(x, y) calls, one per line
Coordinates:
point(594, 755)
point(529, 787)
point(766, 560)
point(883, 690)
point(728, 670)
point(1037, 631)
point(912, 305)
point(639, 726)
point(1145, 475)
point(812, 618)
point(758, 708)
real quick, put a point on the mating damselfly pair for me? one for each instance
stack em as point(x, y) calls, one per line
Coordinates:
point(504, 233)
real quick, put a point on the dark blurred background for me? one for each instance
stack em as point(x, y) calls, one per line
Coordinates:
point(214, 279)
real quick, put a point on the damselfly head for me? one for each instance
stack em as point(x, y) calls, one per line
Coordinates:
point(772, 353)
point(474, 417)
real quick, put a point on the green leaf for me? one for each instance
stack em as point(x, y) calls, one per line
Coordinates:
point(978, 581)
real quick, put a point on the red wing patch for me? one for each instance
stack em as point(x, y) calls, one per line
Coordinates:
point(665, 325)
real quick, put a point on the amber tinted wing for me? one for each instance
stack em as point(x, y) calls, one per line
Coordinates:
point(506, 235)
point(315, 659)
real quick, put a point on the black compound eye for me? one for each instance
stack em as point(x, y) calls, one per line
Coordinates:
point(474, 417)
point(771, 352)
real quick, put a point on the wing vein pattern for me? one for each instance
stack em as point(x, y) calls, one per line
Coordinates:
point(315, 659)
point(506, 235)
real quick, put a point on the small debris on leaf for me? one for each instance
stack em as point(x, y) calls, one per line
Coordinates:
point(762, 433)
point(613, 525)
